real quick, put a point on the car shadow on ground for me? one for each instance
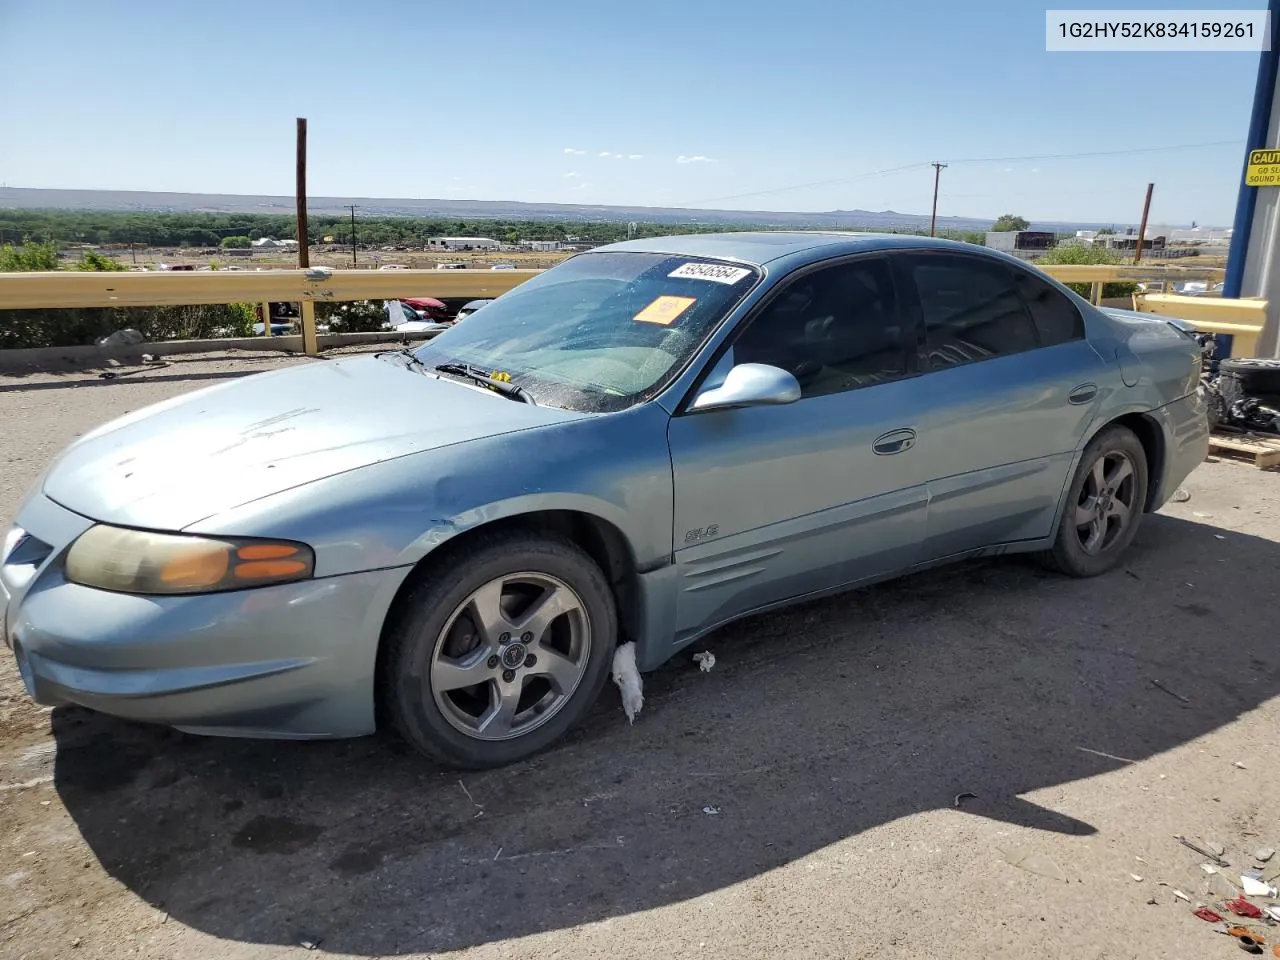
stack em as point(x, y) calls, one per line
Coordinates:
point(816, 724)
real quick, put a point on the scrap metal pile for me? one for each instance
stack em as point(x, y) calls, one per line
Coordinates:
point(1243, 392)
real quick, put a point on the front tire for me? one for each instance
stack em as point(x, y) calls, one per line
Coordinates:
point(1104, 505)
point(493, 658)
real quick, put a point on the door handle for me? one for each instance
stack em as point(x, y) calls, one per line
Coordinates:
point(895, 441)
point(1083, 393)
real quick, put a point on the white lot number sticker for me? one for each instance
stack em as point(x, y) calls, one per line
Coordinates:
point(717, 272)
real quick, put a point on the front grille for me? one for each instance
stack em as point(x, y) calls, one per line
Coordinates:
point(27, 551)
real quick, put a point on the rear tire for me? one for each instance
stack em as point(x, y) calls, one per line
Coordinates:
point(494, 657)
point(1103, 507)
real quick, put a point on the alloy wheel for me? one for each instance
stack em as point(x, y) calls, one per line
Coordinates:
point(510, 656)
point(1106, 505)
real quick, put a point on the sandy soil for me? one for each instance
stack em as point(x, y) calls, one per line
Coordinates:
point(800, 800)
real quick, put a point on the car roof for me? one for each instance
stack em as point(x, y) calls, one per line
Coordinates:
point(763, 246)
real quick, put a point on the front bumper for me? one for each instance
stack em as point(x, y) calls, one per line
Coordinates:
point(293, 661)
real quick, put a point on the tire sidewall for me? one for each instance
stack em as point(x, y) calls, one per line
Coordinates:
point(1256, 374)
point(427, 611)
point(1067, 548)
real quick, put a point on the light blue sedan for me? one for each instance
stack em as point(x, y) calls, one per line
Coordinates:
point(637, 446)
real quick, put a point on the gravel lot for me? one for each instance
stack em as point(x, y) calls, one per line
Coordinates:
point(797, 801)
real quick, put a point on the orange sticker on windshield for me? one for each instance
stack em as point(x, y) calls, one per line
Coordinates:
point(665, 310)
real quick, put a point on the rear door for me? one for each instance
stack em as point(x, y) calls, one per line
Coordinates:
point(774, 502)
point(1013, 386)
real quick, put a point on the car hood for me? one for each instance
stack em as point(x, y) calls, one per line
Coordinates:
point(173, 464)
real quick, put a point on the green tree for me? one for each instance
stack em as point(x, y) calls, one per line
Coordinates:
point(235, 243)
point(1079, 253)
point(1106, 231)
point(1009, 222)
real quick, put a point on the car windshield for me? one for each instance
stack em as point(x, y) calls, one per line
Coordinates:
point(599, 332)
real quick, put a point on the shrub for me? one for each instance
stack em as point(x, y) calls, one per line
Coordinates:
point(358, 316)
point(30, 256)
point(95, 261)
point(1079, 253)
point(83, 326)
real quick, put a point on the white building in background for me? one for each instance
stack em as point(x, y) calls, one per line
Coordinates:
point(463, 243)
point(267, 243)
point(1205, 236)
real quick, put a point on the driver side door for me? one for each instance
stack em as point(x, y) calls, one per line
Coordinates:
point(774, 502)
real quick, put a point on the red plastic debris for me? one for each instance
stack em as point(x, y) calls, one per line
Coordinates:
point(1243, 908)
point(1204, 913)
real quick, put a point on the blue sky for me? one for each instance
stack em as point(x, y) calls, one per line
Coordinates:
point(615, 101)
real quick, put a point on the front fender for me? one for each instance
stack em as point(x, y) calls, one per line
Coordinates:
point(613, 466)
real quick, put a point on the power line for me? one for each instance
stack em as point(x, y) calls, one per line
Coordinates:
point(1101, 153)
point(815, 183)
point(919, 166)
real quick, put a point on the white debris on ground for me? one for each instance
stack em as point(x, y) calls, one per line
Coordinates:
point(705, 660)
point(627, 677)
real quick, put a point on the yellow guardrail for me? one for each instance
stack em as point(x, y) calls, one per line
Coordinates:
point(63, 289)
point(1098, 275)
point(48, 290)
point(1242, 320)
point(1118, 273)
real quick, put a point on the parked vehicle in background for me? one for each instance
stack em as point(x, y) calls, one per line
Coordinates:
point(451, 266)
point(427, 308)
point(470, 307)
point(503, 266)
point(393, 266)
point(645, 442)
point(284, 316)
point(403, 318)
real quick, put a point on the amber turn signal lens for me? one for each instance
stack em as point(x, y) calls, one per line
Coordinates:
point(267, 551)
point(269, 569)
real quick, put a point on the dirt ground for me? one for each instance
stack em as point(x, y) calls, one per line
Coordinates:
point(807, 798)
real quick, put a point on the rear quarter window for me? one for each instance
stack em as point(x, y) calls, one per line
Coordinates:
point(1056, 318)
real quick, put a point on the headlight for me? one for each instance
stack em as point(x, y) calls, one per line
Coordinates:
point(135, 561)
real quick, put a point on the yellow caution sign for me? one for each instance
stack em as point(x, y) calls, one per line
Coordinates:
point(1263, 169)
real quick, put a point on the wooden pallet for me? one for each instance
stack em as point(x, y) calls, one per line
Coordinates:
point(1264, 450)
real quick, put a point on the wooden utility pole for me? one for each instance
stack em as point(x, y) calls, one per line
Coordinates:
point(304, 253)
point(353, 235)
point(306, 309)
point(933, 220)
point(1142, 228)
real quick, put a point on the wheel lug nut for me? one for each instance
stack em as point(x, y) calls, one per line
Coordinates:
point(508, 675)
point(493, 661)
point(526, 637)
point(504, 638)
point(530, 660)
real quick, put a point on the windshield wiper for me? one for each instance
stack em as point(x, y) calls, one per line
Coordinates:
point(408, 356)
point(504, 387)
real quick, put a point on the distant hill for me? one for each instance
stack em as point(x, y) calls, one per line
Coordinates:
point(141, 200)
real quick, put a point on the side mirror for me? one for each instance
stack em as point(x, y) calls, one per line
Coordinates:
point(749, 385)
